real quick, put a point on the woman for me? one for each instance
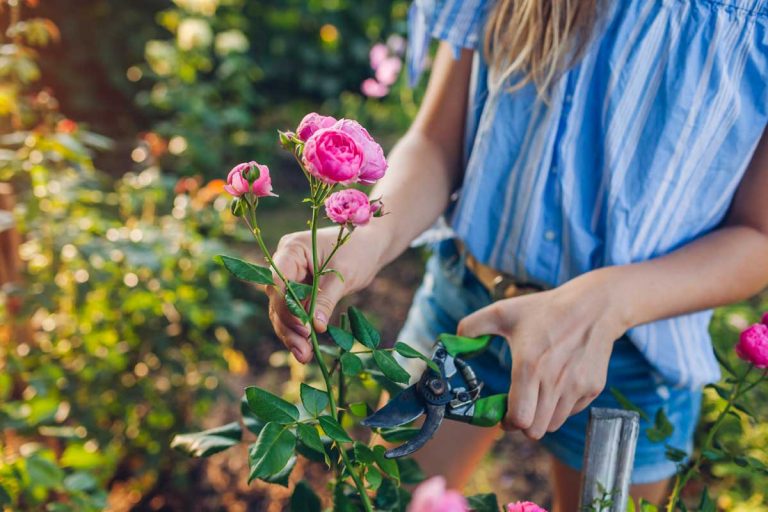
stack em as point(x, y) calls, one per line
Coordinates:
point(609, 157)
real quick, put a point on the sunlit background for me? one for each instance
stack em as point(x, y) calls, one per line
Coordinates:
point(118, 120)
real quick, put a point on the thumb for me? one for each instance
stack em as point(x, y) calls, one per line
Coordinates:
point(483, 321)
point(330, 293)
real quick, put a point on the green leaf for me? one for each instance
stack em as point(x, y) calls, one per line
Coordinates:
point(271, 453)
point(250, 420)
point(706, 504)
point(390, 367)
point(314, 400)
point(208, 442)
point(721, 391)
point(296, 309)
point(310, 437)
point(662, 428)
point(269, 407)
point(484, 503)
point(333, 430)
point(388, 466)
point(411, 353)
point(741, 406)
point(334, 272)
point(341, 337)
point(246, 271)
point(388, 497)
point(374, 477)
point(399, 434)
point(627, 404)
point(282, 476)
point(714, 455)
point(44, 472)
point(675, 454)
point(359, 409)
point(351, 365)
point(80, 482)
point(647, 507)
point(5, 497)
point(363, 330)
point(724, 362)
point(363, 454)
point(410, 472)
point(304, 499)
point(301, 290)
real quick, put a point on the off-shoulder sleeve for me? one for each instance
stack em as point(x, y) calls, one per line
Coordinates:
point(458, 22)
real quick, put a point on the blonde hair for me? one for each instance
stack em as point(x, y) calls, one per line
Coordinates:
point(537, 39)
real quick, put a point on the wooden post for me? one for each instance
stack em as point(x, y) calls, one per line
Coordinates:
point(609, 455)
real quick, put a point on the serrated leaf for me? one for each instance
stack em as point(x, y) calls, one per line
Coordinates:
point(388, 466)
point(363, 330)
point(333, 430)
point(411, 353)
point(296, 309)
point(282, 476)
point(374, 477)
point(341, 337)
point(250, 420)
point(662, 428)
point(314, 400)
point(304, 499)
point(351, 365)
point(208, 442)
point(269, 407)
point(390, 367)
point(270, 454)
point(410, 472)
point(246, 271)
point(484, 503)
point(627, 404)
point(310, 437)
point(363, 454)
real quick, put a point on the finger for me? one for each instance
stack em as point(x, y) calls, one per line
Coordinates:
point(483, 321)
point(582, 404)
point(292, 262)
point(523, 394)
point(294, 341)
point(545, 407)
point(330, 293)
point(563, 410)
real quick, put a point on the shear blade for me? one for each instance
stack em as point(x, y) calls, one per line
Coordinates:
point(435, 415)
point(404, 408)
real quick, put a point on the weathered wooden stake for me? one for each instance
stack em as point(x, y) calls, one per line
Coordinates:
point(608, 458)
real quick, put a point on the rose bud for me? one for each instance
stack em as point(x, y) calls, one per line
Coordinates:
point(753, 345)
point(349, 207)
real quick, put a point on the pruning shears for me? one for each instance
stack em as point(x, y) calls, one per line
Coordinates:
point(449, 388)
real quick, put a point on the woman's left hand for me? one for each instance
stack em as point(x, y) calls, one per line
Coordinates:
point(561, 341)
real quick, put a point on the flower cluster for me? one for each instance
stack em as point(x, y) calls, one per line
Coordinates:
point(753, 344)
point(433, 496)
point(386, 64)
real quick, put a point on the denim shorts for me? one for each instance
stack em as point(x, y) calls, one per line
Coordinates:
point(450, 291)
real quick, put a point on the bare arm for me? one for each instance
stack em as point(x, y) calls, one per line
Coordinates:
point(560, 367)
point(425, 163)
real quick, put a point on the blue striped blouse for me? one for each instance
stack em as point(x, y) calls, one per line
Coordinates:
point(639, 151)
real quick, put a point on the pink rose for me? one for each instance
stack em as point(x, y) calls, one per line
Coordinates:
point(237, 185)
point(374, 164)
point(350, 206)
point(524, 506)
point(378, 53)
point(388, 70)
point(373, 89)
point(764, 320)
point(333, 156)
point(239, 178)
point(311, 123)
point(753, 345)
point(262, 186)
point(432, 496)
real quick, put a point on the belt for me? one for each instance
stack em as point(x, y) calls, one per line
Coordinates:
point(499, 284)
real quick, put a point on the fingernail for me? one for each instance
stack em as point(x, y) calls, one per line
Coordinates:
point(296, 353)
point(322, 318)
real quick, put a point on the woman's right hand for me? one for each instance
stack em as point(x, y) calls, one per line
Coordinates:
point(358, 261)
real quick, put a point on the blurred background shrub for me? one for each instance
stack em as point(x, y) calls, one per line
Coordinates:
point(116, 329)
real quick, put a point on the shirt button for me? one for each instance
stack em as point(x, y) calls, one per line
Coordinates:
point(549, 235)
